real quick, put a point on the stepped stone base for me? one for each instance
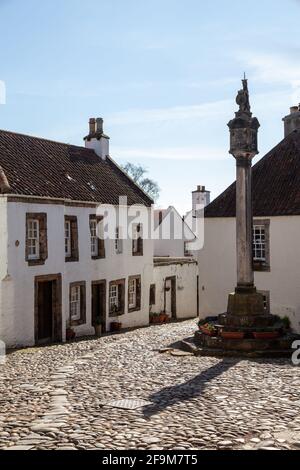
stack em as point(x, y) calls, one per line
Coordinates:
point(236, 322)
point(282, 343)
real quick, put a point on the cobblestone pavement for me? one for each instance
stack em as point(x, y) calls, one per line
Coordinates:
point(56, 397)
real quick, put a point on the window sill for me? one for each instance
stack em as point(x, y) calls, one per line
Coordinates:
point(36, 262)
point(257, 266)
point(71, 259)
point(94, 258)
point(116, 314)
point(134, 309)
point(77, 322)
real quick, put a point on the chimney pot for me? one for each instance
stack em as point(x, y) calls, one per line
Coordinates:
point(92, 126)
point(99, 129)
point(294, 109)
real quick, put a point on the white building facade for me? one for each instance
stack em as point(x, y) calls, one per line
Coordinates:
point(56, 273)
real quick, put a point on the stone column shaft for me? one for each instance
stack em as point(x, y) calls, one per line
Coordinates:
point(244, 223)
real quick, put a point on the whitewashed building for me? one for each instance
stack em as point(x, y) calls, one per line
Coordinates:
point(54, 270)
point(175, 278)
point(276, 233)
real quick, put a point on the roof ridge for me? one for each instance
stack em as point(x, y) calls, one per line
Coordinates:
point(43, 139)
point(278, 164)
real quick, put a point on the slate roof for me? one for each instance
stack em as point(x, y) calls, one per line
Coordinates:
point(275, 184)
point(40, 167)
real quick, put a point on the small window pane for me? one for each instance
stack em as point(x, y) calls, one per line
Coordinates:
point(132, 293)
point(33, 239)
point(75, 303)
point(68, 238)
point(94, 237)
point(113, 297)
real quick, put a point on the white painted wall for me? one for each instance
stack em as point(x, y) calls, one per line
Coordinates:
point(3, 255)
point(217, 267)
point(171, 234)
point(17, 292)
point(100, 146)
point(186, 288)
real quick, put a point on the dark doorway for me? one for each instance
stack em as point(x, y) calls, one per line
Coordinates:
point(170, 297)
point(99, 303)
point(198, 297)
point(48, 318)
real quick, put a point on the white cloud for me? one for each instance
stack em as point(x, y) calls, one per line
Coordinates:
point(274, 70)
point(171, 153)
point(136, 116)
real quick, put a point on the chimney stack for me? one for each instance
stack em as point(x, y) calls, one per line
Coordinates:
point(292, 121)
point(96, 139)
point(201, 199)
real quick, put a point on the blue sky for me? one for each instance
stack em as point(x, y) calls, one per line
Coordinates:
point(163, 75)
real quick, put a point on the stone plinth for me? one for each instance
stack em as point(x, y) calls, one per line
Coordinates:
point(245, 304)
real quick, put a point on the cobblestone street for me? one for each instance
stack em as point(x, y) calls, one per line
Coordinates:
point(55, 397)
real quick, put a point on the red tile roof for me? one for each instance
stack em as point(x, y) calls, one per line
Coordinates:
point(275, 184)
point(40, 167)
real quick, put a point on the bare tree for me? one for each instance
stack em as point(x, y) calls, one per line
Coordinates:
point(137, 173)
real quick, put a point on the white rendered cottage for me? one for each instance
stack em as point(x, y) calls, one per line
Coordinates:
point(175, 277)
point(276, 233)
point(53, 267)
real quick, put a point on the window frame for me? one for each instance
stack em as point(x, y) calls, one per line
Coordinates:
point(138, 293)
point(99, 240)
point(75, 300)
point(68, 240)
point(82, 289)
point(35, 239)
point(262, 264)
point(118, 241)
point(132, 293)
point(93, 237)
point(42, 238)
point(74, 255)
point(137, 240)
point(152, 295)
point(120, 287)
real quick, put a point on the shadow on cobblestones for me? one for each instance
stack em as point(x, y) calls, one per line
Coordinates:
point(186, 391)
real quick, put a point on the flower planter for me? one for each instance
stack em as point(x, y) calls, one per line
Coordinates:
point(232, 335)
point(70, 334)
point(266, 334)
point(115, 326)
point(154, 319)
point(162, 318)
point(208, 332)
point(98, 330)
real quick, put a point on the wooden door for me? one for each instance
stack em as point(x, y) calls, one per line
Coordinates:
point(99, 303)
point(45, 311)
point(170, 297)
